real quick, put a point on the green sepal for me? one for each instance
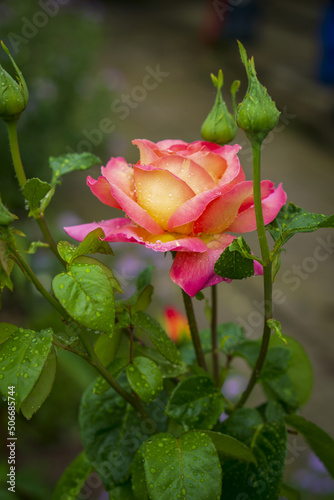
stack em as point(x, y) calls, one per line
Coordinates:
point(62, 165)
point(257, 113)
point(219, 126)
point(14, 94)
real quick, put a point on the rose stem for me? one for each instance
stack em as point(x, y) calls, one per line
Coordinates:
point(215, 351)
point(194, 330)
point(267, 280)
point(21, 177)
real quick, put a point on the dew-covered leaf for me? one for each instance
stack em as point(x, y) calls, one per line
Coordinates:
point(196, 403)
point(167, 369)
point(111, 432)
point(22, 357)
point(42, 388)
point(144, 277)
point(233, 263)
point(115, 369)
point(158, 336)
point(144, 378)
point(34, 191)
point(231, 447)
point(61, 165)
point(267, 441)
point(86, 293)
point(186, 468)
point(73, 479)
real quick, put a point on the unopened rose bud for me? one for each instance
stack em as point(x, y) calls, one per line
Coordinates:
point(13, 94)
point(257, 113)
point(220, 126)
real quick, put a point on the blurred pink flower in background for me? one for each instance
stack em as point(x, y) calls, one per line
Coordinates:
point(184, 198)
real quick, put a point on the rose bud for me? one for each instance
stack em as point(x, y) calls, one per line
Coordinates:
point(14, 95)
point(220, 126)
point(257, 113)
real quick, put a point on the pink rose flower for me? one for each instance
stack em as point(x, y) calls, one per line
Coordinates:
point(185, 198)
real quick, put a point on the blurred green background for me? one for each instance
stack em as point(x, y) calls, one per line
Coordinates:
point(86, 63)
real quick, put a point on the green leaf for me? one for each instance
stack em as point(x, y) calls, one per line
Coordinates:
point(321, 443)
point(6, 330)
point(144, 378)
point(42, 388)
point(292, 219)
point(73, 479)
point(167, 369)
point(34, 191)
point(145, 277)
point(229, 336)
point(233, 264)
point(139, 486)
point(92, 244)
point(289, 493)
point(268, 443)
point(115, 369)
point(231, 447)
point(192, 470)
point(294, 387)
point(123, 492)
point(276, 363)
point(35, 245)
point(91, 261)
point(158, 336)
point(22, 358)
point(62, 165)
point(139, 301)
point(111, 432)
point(66, 250)
point(106, 347)
point(196, 403)
point(86, 293)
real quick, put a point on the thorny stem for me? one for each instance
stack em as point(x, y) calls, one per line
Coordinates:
point(215, 350)
point(194, 330)
point(267, 271)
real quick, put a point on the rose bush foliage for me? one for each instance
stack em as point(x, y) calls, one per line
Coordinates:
point(181, 197)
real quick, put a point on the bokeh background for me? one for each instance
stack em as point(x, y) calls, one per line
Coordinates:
point(86, 64)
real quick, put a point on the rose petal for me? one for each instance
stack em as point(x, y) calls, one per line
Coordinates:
point(188, 171)
point(101, 189)
point(271, 205)
point(221, 212)
point(195, 271)
point(122, 230)
point(147, 150)
point(159, 192)
point(118, 173)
